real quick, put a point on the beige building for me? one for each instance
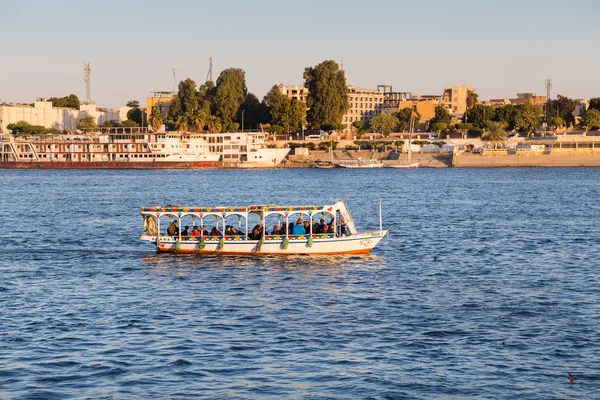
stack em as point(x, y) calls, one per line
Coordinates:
point(454, 99)
point(528, 98)
point(160, 100)
point(297, 92)
point(64, 119)
point(364, 105)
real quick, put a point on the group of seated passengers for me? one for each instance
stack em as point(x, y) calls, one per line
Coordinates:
point(303, 228)
point(300, 228)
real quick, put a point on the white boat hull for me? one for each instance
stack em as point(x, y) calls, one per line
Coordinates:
point(361, 243)
point(414, 165)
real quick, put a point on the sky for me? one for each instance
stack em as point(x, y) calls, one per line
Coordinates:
point(497, 47)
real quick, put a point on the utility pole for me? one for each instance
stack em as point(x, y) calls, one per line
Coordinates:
point(174, 80)
point(548, 84)
point(209, 76)
point(87, 72)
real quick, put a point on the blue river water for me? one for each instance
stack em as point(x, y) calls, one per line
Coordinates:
point(486, 287)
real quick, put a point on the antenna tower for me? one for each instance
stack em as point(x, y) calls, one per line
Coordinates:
point(209, 76)
point(87, 71)
point(174, 80)
point(548, 84)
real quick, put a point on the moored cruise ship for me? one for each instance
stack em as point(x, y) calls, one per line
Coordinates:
point(134, 148)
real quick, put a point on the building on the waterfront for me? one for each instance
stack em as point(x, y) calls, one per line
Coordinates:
point(364, 105)
point(161, 100)
point(528, 98)
point(297, 92)
point(454, 99)
point(42, 113)
point(581, 106)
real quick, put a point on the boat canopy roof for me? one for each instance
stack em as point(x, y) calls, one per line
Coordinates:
point(263, 210)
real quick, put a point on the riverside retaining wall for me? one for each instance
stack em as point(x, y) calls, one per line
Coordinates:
point(468, 160)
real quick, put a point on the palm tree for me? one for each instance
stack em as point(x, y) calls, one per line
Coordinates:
point(214, 124)
point(495, 133)
point(198, 121)
point(181, 124)
point(472, 99)
point(155, 119)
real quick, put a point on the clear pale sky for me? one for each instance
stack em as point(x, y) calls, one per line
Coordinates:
point(498, 47)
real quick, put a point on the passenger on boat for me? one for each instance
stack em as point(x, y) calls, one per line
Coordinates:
point(276, 230)
point(195, 231)
point(256, 233)
point(215, 232)
point(237, 232)
point(204, 230)
point(299, 228)
point(325, 229)
point(283, 229)
point(185, 231)
point(173, 229)
point(229, 231)
point(342, 228)
point(316, 228)
point(291, 228)
point(306, 226)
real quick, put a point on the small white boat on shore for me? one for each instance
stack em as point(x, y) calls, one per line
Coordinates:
point(244, 230)
point(360, 164)
point(413, 165)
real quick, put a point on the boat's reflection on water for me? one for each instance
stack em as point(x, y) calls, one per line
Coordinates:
point(315, 263)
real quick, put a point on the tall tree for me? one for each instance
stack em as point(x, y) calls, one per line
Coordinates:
point(441, 115)
point(181, 124)
point(591, 119)
point(71, 101)
point(327, 99)
point(507, 114)
point(594, 103)
point(297, 112)
point(383, 123)
point(562, 107)
point(135, 114)
point(279, 107)
point(230, 94)
point(87, 122)
point(206, 94)
point(214, 124)
point(472, 99)
point(255, 112)
point(479, 115)
point(528, 117)
point(155, 119)
point(404, 119)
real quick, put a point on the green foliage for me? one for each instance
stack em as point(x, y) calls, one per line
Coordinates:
point(438, 144)
point(508, 114)
point(51, 131)
point(439, 126)
point(181, 123)
point(276, 129)
point(214, 124)
point(479, 114)
point(562, 107)
point(87, 123)
point(591, 119)
point(255, 112)
point(464, 127)
point(327, 99)
point(441, 115)
point(420, 142)
point(495, 132)
point(308, 145)
point(556, 122)
point(528, 117)
point(128, 123)
point(230, 94)
point(279, 106)
point(404, 119)
point(384, 123)
point(71, 101)
point(155, 119)
point(361, 126)
point(595, 103)
point(135, 115)
point(474, 132)
point(472, 99)
point(133, 104)
point(24, 127)
point(328, 144)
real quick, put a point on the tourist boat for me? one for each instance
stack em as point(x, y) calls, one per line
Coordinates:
point(247, 222)
point(129, 148)
point(245, 149)
point(360, 164)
